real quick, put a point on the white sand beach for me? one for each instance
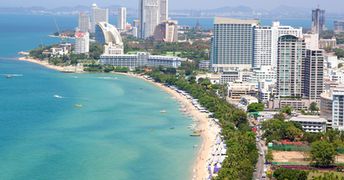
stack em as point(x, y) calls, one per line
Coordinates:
point(69, 69)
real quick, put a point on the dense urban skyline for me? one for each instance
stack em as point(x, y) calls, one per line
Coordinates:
point(187, 4)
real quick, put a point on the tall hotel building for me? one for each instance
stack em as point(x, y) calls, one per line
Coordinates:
point(163, 10)
point(318, 21)
point(149, 16)
point(266, 40)
point(82, 42)
point(84, 22)
point(313, 74)
point(291, 54)
point(122, 18)
point(98, 15)
point(232, 44)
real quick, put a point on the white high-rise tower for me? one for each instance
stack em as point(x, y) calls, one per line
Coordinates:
point(149, 16)
point(98, 15)
point(163, 10)
point(122, 18)
point(84, 22)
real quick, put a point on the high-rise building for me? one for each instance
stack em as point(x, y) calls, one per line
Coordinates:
point(166, 31)
point(232, 44)
point(331, 107)
point(313, 74)
point(84, 22)
point(291, 54)
point(338, 26)
point(163, 10)
point(149, 16)
point(82, 42)
point(107, 35)
point(318, 21)
point(98, 15)
point(266, 40)
point(122, 18)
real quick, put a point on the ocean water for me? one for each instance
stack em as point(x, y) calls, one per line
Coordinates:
point(118, 133)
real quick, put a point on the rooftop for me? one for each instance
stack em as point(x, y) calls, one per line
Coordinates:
point(222, 20)
point(308, 119)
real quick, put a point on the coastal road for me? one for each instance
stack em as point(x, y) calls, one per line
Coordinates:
point(258, 174)
point(260, 164)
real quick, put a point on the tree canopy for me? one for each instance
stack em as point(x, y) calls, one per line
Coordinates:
point(322, 154)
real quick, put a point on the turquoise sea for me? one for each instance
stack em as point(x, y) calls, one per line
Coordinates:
point(118, 133)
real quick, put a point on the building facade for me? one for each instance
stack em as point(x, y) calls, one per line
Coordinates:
point(149, 16)
point(82, 42)
point(84, 22)
point(122, 19)
point(318, 21)
point(166, 31)
point(232, 44)
point(266, 40)
point(338, 110)
point(98, 15)
point(140, 60)
point(313, 74)
point(291, 54)
point(313, 124)
point(108, 35)
point(163, 10)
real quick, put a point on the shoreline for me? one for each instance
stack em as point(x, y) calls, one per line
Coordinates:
point(208, 130)
point(64, 69)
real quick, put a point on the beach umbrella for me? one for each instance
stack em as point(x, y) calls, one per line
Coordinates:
point(223, 152)
point(222, 158)
point(217, 168)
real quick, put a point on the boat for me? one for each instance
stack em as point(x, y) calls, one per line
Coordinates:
point(57, 96)
point(195, 134)
point(163, 111)
point(78, 105)
point(12, 75)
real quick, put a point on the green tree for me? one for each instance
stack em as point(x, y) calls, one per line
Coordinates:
point(290, 174)
point(322, 154)
point(313, 107)
point(269, 156)
point(255, 107)
point(287, 109)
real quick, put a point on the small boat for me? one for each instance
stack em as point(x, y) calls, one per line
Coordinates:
point(12, 75)
point(195, 134)
point(57, 96)
point(78, 105)
point(163, 111)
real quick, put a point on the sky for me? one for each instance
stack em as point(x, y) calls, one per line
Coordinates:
point(329, 5)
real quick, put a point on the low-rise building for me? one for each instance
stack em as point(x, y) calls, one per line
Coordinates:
point(238, 89)
point(327, 43)
point(204, 65)
point(311, 123)
point(139, 60)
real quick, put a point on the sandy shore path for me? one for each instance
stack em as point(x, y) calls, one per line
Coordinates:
point(207, 130)
point(73, 69)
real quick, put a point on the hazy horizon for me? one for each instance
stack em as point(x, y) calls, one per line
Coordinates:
point(334, 6)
